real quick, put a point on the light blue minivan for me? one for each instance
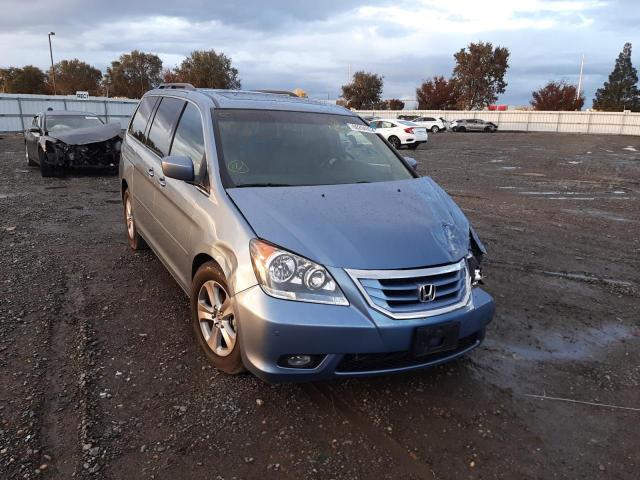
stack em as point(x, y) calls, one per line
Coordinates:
point(308, 246)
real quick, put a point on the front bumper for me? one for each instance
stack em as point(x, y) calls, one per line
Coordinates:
point(354, 340)
point(96, 155)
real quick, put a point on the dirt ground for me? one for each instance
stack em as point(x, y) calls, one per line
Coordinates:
point(100, 376)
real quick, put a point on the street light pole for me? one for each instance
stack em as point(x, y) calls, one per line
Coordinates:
point(53, 72)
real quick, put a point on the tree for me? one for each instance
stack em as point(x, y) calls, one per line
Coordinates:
point(479, 74)
point(133, 74)
point(74, 75)
point(557, 96)
point(364, 92)
point(620, 92)
point(28, 79)
point(395, 104)
point(208, 69)
point(437, 94)
point(170, 76)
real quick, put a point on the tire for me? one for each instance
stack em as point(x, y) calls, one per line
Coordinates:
point(136, 242)
point(461, 129)
point(395, 141)
point(46, 169)
point(211, 315)
point(488, 129)
point(435, 129)
point(413, 146)
point(30, 162)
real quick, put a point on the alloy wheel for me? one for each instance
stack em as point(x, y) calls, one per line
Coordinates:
point(217, 322)
point(129, 217)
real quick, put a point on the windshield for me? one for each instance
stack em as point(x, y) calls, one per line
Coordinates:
point(404, 122)
point(277, 148)
point(61, 123)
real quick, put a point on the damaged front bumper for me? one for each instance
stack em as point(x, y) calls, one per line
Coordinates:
point(104, 154)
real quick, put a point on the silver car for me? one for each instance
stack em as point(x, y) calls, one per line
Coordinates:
point(309, 247)
point(473, 125)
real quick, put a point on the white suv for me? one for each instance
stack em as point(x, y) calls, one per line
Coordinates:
point(430, 123)
point(401, 132)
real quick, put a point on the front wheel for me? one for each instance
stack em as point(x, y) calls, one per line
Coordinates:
point(460, 129)
point(435, 129)
point(30, 162)
point(488, 129)
point(395, 141)
point(136, 242)
point(213, 320)
point(48, 170)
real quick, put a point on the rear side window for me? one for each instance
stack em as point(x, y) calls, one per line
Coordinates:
point(189, 141)
point(141, 117)
point(163, 125)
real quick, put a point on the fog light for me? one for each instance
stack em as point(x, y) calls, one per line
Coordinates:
point(477, 277)
point(300, 361)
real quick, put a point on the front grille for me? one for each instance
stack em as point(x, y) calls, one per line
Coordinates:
point(371, 362)
point(397, 292)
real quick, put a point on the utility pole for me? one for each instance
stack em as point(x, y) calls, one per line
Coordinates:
point(580, 78)
point(53, 72)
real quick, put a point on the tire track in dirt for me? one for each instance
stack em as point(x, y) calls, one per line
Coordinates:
point(409, 465)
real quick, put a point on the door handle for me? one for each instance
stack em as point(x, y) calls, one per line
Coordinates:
point(162, 181)
point(150, 172)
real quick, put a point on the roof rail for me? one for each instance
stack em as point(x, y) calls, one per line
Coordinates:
point(278, 92)
point(174, 86)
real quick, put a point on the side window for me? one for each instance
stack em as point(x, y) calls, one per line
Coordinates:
point(429, 119)
point(374, 124)
point(387, 125)
point(189, 141)
point(34, 123)
point(141, 117)
point(163, 125)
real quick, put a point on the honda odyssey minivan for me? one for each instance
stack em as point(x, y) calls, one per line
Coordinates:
point(308, 246)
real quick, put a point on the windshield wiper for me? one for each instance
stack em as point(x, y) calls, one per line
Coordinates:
point(268, 184)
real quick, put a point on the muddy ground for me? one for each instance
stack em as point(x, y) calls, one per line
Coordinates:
point(100, 377)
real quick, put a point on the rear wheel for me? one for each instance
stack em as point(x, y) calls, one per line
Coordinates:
point(395, 141)
point(136, 242)
point(213, 320)
point(461, 129)
point(435, 129)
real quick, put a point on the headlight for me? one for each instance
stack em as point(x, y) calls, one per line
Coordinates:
point(283, 274)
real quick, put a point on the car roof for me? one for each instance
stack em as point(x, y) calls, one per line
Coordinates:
point(73, 113)
point(252, 100)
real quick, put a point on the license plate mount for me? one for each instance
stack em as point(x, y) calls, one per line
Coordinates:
point(432, 339)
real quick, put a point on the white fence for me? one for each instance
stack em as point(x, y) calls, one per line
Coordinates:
point(529, 121)
point(17, 110)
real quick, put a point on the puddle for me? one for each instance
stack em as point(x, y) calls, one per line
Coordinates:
point(630, 149)
point(583, 345)
point(598, 214)
point(509, 168)
point(55, 187)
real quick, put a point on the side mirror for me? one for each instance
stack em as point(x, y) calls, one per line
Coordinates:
point(413, 163)
point(34, 130)
point(178, 167)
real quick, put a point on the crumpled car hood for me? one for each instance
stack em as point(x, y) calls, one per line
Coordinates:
point(83, 136)
point(386, 225)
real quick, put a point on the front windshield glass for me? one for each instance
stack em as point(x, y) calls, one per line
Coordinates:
point(61, 123)
point(276, 148)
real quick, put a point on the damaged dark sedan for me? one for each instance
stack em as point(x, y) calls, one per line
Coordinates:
point(61, 139)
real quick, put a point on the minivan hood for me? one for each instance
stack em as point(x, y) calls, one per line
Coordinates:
point(384, 225)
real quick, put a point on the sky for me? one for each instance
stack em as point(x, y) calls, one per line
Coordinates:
point(284, 44)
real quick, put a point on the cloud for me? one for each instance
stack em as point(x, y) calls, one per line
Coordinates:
point(287, 44)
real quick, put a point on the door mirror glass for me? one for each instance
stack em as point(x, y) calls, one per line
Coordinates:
point(34, 129)
point(178, 167)
point(413, 163)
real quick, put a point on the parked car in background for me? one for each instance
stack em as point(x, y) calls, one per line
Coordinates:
point(430, 123)
point(62, 139)
point(473, 125)
point(401, 132)
point(407, 117)
point(309, 248)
